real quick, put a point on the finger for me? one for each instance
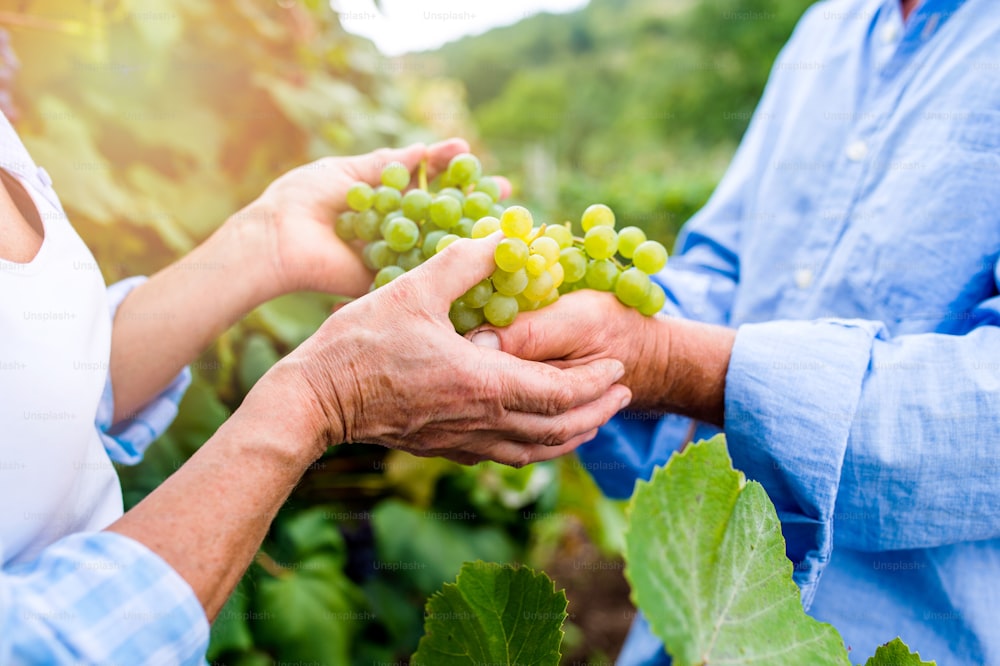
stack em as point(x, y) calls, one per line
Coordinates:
point(554, 332)
point(517, 454)
point(439, 155)
point(538, 388)
point(505, 187)
point(555, 431)
point(450, 273)
point(369, 167)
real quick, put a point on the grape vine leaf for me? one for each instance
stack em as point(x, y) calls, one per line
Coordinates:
point(896, 653)
point(706, 561)
point(493, 614)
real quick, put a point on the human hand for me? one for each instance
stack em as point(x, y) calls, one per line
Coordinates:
point(390, 369)
point(671, 365)
point(290, 226)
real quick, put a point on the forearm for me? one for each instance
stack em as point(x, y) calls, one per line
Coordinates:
point(165, 323)
point(207, 520)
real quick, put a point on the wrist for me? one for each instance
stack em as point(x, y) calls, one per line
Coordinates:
point(250, 235)
point(697, 360)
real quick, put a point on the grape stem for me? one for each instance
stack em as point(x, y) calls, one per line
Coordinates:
point(422, 175)
point(538, 234)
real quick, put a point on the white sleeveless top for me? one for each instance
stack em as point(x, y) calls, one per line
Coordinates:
point(55, 344)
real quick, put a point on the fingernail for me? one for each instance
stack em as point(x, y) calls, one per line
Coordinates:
point(625, 402)
point(620, 373)
point(487, 339)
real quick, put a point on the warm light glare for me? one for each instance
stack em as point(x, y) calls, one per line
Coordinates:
point(404, 25)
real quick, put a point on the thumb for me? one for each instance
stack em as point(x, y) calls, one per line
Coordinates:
point(456, 269)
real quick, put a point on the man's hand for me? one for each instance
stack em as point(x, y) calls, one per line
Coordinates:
point(290, 226)
point(390, 369)
point(671, 365)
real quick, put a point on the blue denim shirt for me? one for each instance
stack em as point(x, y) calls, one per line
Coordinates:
point(854, 243)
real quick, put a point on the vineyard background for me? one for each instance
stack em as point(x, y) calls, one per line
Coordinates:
point(157, 119)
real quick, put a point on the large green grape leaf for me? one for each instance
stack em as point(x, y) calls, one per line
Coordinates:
point(896, 653)
point(493, 614)
point(706, 561)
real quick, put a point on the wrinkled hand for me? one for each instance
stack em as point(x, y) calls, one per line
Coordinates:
point(583, 327)
point(390, 369)
point(671, 365)
point(291, 224)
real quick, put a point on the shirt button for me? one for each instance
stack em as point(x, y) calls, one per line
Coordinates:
point(857, 151)
point(44, 176)
point(803, 278)
point(890, 33)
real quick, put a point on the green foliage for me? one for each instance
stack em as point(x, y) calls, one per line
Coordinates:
point(493, 615)
point(895, 653)
point(706, 561)
point(636, 103)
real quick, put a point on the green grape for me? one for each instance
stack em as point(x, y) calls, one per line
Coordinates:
point(464, 318)
point(511, 254)
point(602, 275)
point(485, 227)
point(454, 193)
point(574, 263)
point(501, 310)
point(444, 242)
point(366, 257)
point(650, 257)
point(601, 242)
point(417, 204)
point(488, 185)
point(360, 196)
point(402, 234)
point(410, 259)
point(597, 215)
point(561, 235)
point(632, 287)
point(384, 224)
point(509, 284)
point(549, 299)
point(535, 265)
point(524, 304)
point(655, 300)
point(464, 169)
point(477, 205)
point(539, 287)
point(382, 255)
point(497, 211)
point(547, 247)
point(429, 248)
point(516, 222)
point(463, 228)
point(477, 296)
point(366, 225)
point(445, 211)
point(387, 275)
point(558, 274)
point(344, 226)
point(396, 175)
point(387, 199)
point(629, 239)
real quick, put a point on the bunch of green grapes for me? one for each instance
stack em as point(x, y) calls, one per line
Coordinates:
point(534, 265)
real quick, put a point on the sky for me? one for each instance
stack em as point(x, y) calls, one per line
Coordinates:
point(417, 25)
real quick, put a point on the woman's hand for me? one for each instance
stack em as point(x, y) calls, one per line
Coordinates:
point(290, 226)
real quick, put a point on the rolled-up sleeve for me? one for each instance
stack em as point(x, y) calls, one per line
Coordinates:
point(127, 440)
point(868, 441)
point(99, 599)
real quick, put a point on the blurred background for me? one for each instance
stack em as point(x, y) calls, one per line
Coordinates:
point(157, 119)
